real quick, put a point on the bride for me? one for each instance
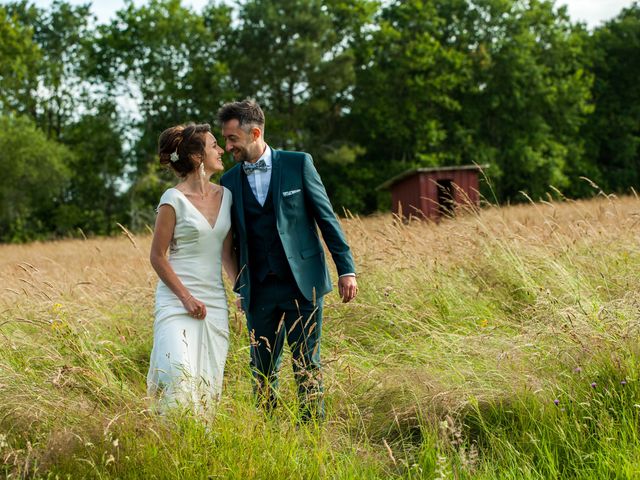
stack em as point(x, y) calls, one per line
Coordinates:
point(190, 332)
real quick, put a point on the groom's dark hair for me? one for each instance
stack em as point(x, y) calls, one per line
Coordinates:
point(247, 112)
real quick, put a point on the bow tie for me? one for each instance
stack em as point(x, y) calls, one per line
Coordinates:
point(249, 168)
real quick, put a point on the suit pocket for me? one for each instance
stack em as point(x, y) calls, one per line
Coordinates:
point(290, 193)
point(310, 252)
point(291, 199)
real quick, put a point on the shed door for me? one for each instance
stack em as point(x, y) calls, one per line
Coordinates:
point(445, 197)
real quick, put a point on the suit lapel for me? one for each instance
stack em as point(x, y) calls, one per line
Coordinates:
point(275, 179)
point(238, 201)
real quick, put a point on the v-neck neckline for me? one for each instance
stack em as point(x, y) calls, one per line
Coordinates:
point(215, 222)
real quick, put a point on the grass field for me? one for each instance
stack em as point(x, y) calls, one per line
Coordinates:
point(498, 345)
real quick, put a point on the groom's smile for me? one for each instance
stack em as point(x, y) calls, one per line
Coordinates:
point(242, 142)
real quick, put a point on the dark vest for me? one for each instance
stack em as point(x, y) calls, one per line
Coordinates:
point(266, 254)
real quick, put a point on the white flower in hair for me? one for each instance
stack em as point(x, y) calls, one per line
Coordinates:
point(174, 156)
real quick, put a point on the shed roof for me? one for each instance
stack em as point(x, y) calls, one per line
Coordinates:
point(408, 173)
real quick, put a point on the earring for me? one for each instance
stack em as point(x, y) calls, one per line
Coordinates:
point(202, 172)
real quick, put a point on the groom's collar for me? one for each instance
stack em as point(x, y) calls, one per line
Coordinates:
point(266, 156)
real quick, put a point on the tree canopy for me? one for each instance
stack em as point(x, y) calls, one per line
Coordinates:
point(369, 88)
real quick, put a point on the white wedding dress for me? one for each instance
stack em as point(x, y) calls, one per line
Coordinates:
point(188, 355)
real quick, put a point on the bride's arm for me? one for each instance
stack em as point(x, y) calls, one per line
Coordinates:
point(162, 235)
point(229, 259)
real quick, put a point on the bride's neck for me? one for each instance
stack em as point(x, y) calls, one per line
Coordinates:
point(195, 184)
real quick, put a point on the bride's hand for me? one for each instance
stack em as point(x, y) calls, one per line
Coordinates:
point(195, 307)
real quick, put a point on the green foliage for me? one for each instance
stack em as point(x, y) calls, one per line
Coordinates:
point(294, 57)
point(35, 172)
point(93, 199)
point(406, 92)
point(448, 364)
point(298, 59)
point(533, 98)
point(64, 107)
point(370, 88)
point(613, 131)
point(57, 86)
point(165, 58)
point(19, 57)
point(495, 82)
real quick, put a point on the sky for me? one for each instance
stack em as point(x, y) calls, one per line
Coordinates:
point(591, 12)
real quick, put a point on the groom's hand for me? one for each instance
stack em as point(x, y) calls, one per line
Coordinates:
point(347, 287)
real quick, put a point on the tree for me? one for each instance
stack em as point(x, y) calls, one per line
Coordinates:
point(408, 87)
point(296, 58)
point(19, 58)
point(34, 175)
point(293, 56)
point(165, 58)
point(532, 97)
point(56, 88)
point(94, 200)
point(69, 109)
point(490, 81)
point(613, 131)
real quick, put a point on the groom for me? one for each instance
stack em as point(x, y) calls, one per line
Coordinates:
point(279, 202)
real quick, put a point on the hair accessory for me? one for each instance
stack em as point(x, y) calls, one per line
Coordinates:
point(174, 156)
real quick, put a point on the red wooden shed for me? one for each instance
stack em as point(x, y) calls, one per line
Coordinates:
point(434, 192)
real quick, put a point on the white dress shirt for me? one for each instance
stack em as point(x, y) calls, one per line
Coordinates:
point(258, 180)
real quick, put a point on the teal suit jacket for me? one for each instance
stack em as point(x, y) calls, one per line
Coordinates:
point(302, 206)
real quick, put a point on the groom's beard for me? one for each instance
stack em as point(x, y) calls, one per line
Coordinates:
point(243, 156)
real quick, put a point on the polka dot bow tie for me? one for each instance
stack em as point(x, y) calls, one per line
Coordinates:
point(260, 165)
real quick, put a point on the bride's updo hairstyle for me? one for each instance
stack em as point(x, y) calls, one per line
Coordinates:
point(178, 145)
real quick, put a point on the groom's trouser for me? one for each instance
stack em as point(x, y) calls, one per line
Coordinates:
point(278, 311)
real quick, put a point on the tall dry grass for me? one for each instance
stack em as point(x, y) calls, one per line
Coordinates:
point(499, 344)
